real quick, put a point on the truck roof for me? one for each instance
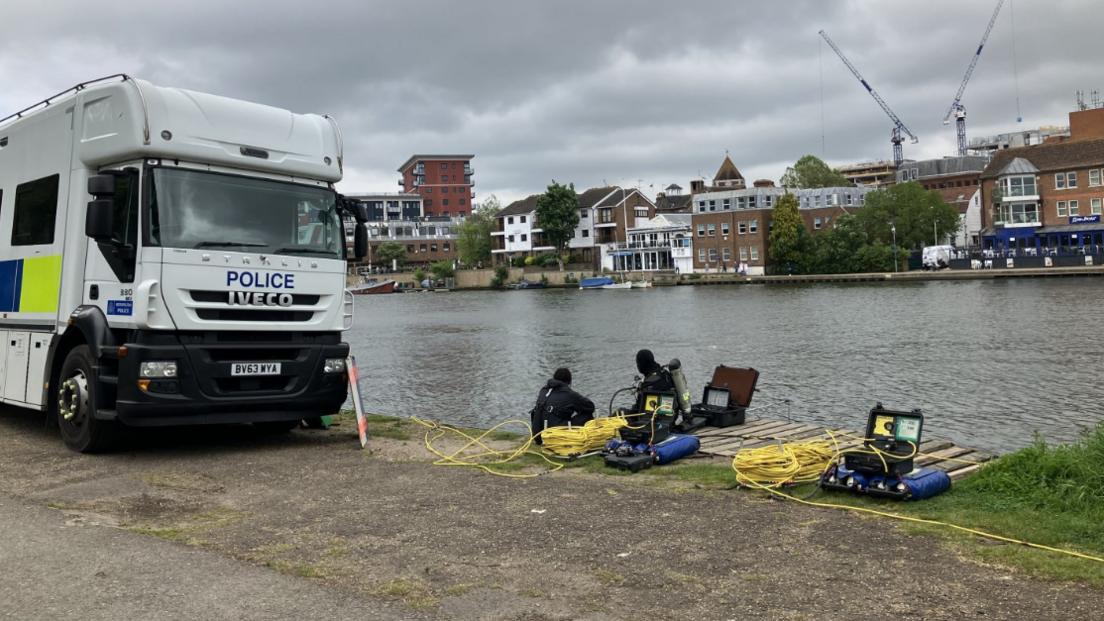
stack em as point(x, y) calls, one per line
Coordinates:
point(122, 118)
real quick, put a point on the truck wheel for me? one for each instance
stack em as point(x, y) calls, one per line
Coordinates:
point(76, 395)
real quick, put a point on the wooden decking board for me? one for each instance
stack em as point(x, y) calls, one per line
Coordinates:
point(762, 432)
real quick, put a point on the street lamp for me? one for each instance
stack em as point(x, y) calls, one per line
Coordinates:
point(894, 230)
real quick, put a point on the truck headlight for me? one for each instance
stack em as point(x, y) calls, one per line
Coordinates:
point(334, 365)
point(158, 368)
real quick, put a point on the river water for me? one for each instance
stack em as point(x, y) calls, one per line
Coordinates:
point(988, 362)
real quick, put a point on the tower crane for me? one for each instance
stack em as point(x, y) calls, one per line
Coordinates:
point(898, 127)
point(957, 110)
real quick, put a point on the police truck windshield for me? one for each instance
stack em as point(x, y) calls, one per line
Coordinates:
point(196, 209)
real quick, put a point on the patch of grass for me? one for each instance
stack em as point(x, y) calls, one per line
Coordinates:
point(379, 418)
point(462, 589)
point(173, 534)
point(706, 475)
point(296, 569)
point(674, 575)
point(606, 576)
point(754, 577)
point(421, 603)
point(276, 548)
point(593, 605)
point(400, 587)
point(336, 551)
point(530, 593)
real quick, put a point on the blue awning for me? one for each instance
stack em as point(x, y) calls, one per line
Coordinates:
point(623, 253)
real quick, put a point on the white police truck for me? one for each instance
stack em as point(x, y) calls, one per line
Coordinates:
point(170, 257)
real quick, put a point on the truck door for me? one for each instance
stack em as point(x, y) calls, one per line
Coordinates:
point(112, 268)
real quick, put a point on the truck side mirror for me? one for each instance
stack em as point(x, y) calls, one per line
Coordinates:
point(100, 219)
point(101, 186)
point(361, 211)
point(360, 242)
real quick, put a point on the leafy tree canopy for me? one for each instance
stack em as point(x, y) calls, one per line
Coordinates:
point(845, 249)
point(473, 237)
point(390, 250)
point(790, 244)
point(811, 172)
point(558, 215)
point(917, 213)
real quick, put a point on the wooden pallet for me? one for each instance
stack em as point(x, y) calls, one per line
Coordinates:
point(958, 461)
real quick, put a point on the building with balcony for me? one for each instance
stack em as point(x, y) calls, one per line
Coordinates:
point(988, 145)
point(603, 213)
point(663, 243)
point(426, 239)
point(1047, 199)
point(443, 181)
point(871, 174)
point(389, 206)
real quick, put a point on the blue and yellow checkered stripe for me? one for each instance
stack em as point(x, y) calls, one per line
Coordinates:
point(30, 285)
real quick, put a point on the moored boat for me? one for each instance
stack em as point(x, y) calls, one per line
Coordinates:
point(526, 284)
point(373, 286)
point(641, 284)
point(595, 282)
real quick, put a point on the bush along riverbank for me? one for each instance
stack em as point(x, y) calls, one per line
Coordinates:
point(1046, 495)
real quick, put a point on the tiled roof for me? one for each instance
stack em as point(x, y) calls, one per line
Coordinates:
point(674, 186)
point(1019, 166)
point(521, 207)
point(1063, 155)
point(596, 196)
point(674, 204)
point(727, 172)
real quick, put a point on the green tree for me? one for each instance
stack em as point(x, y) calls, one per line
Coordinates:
point(390, 251)
point(501, 273)
point(917, 213)
point(473, 237)
point(811, 172)
point(837, 248)
point(558, 214)
point(442, 269)
point(790, 245)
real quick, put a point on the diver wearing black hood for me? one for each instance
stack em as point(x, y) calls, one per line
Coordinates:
point(558, 405)
point(656, 378)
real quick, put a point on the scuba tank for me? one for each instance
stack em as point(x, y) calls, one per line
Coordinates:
point(682, 394)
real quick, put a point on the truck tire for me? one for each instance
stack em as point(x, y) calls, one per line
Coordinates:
point(76, 395)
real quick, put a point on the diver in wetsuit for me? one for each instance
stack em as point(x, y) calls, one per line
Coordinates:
point(558, 405)
point(656, 378)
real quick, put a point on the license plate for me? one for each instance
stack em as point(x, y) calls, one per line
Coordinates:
point(255, 368)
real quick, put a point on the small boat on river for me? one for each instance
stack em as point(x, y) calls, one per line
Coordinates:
point(526, 284)
point(595, 282)
point(641, 284)
point(372, 286)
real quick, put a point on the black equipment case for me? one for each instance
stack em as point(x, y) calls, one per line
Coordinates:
point(650, 427)
point(727, 397)
point(896, 435)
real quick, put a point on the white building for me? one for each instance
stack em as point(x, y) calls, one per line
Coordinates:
point(663, 243)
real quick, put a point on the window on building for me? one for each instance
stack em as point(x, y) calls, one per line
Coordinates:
point(1073, 209)
point(726, 254)
point(1060, 181)
point(1061, 209)
point(1021, 213)
point(816, 223)
point(701, 206)
point(831, 200)
point(1095, 204)
point(755, 253)
point(446, 248)
point(510, 220)
point(444, 179)
point(768, 201)
point(510, 238)
point(422, 248)
point(753, 226)
point(463, 201)
point(1071, 180)
point(35, 212)
point(445, 213)
point(741, 227)
point(724, 228)
point(712, 255)
point(816, 201)
point(726, 203)
point(958, 184)
point(445, 230)
point(701, 230)
point(429, 202)
point(524, 237)
point(827, 219)
point(1094, 177)
point(641, 212)
point(583, 213)
point(444, 190)
point(433, 247)
point(741, 202)
point(522, 219)
point(751, 202)
point(410, 248)
point(743, 254)
point(429, 190)
point(712, 230)
point(444, 201)
point(586, 233)
point(444, 166)
point(701, 255)
point(605, 215)
point(712, 205)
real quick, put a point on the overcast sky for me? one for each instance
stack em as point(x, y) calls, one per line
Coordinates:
point(650, 92)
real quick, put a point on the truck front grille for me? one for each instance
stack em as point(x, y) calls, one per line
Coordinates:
point(250, 314)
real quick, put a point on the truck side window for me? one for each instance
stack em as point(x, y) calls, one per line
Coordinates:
point(125, 230)
point(35, 212)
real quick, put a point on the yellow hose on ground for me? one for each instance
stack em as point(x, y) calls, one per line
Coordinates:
point(593, 436)
point(805, 461)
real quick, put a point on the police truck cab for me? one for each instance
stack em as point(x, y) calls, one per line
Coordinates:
point(170, 257)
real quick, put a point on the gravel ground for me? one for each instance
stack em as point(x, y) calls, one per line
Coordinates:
point(386, 531)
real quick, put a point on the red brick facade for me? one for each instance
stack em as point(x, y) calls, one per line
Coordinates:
point(445, 183)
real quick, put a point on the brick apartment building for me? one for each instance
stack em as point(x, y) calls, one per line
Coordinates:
point(733, 227)
point(958, 181)
point(602, 221)
point(1047, 199)
point(443, 181)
